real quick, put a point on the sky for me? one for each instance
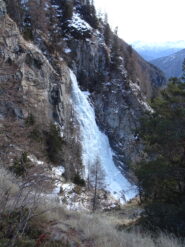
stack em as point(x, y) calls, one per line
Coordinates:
point(146, 20)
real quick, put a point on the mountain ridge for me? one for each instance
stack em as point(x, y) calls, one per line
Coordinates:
point(151, 51)
point(171, 65)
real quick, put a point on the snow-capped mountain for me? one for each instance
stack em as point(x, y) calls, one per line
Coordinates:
point(154, 50)
point(171, 65)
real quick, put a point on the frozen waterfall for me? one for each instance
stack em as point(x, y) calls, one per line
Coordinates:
point(96, 144)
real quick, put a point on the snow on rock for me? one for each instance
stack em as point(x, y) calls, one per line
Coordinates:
point(34, 160)
point(74, 197)
point(95, 145)
point(67, 50)
point(77, 198)
point(87, 93)
point(58, 171)
point(141, 98)
point(79, 24)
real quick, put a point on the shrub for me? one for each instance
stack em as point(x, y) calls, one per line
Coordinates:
point(17, 226)
point(54, 144)
point(88, 13)
point(107, 34)
point(30, 120)
point(4, 242)
point(20, 165)
point(67, 7)
point(25, 243)
point(161, 179)
point(78, 180)
point(28, 34)
point(36, 134)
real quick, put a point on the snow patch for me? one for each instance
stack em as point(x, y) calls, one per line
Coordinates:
point(141, 98)
point(79, 24)
point(67, 50)
point(34, 160)
point(87, 93)
point(58, 171)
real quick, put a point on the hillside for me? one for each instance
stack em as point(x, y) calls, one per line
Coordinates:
point(71, 97)
point(117, 79)
point(171, 65)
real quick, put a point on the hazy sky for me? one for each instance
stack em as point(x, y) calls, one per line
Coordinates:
point(146, 20)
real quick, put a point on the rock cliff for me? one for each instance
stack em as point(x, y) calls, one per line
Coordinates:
point(29, 85)
point(34, 75)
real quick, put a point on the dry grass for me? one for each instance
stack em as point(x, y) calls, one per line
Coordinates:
point(104, 234)
point(169, 241)
point(92, 230)
point(7, 182)
point(100, 231)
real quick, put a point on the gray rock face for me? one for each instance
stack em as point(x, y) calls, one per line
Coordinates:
point(2, 8)
point(29, 84)
point(118, 99)
point(118, 89)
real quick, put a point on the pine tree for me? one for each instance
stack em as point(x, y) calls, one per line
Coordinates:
point(88, 13)
point(107, 34)
point(116, 53)
point(67, 10)
point(162, 177)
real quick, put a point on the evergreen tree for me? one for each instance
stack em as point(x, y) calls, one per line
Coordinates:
point(161, 179)
point(183, 71)
point(54, 27)
point(116, 53)
point(88, 13)
point(67, 10)
point(54, 144)
point(107, 34)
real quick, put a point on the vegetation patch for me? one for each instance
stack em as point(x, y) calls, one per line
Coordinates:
point(54, 144)
point(78, 180)
point(20, 165)
point(161, 178)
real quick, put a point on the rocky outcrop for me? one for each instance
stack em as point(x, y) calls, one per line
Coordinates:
point(119, 95)
point(30, 85)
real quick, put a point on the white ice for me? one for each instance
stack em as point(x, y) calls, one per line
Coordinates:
point(95, 144)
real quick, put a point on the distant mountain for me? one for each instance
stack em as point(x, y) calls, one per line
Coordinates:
point(151, 51)
point(171, 65)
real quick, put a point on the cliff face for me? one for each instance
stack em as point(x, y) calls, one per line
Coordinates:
point(119, 93)
point(35, 78)
point(29, 85)
point(120, 83)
